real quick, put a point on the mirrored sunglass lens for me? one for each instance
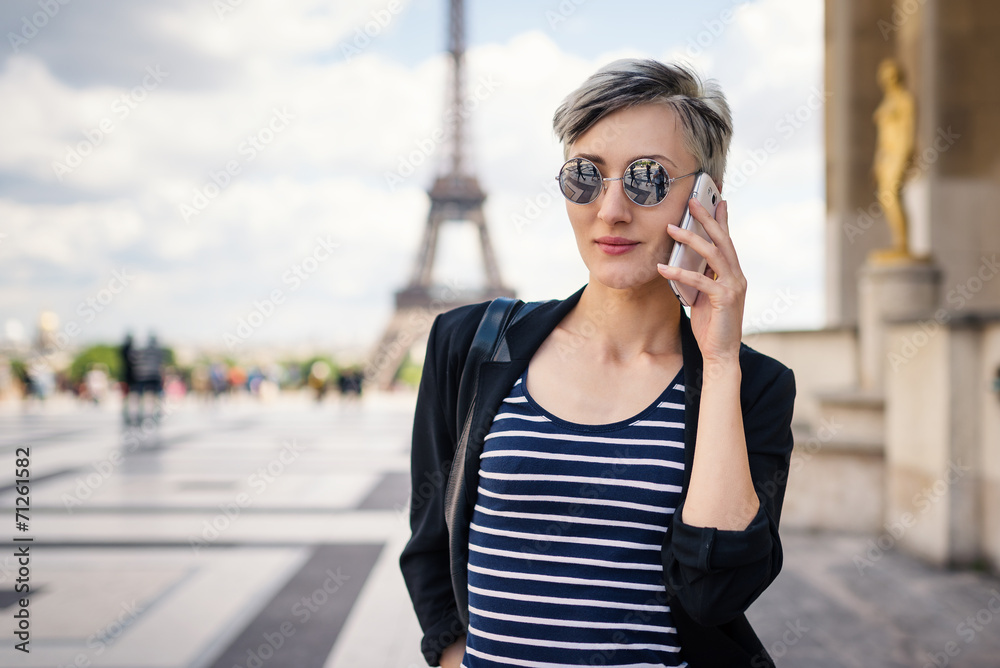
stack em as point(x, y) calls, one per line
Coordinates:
point(580, 181)
point(646, 182)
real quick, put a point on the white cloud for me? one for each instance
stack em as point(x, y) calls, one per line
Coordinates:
point(65, 235)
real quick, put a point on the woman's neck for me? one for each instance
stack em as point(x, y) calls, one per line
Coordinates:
point(624, 323)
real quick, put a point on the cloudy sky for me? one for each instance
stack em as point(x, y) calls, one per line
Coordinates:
point(170, 166)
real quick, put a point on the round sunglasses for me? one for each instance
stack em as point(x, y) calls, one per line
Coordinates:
point(646, 181)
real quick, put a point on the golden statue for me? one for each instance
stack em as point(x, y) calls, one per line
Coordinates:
point(894, 122)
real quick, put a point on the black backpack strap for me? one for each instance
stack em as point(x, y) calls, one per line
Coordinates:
point(489, 344)
point(484, 344)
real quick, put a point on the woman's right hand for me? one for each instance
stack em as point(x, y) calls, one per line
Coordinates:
point(453, 654)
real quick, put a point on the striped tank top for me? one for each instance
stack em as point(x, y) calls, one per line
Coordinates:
point(565, 541)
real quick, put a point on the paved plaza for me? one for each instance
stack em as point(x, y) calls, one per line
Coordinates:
point(267, 534)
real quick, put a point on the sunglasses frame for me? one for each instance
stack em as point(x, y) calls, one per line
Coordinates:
point(604, 180)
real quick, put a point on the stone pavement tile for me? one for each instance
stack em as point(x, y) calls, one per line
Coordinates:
point(291, 460)
point(129, 492)
point(126, 607)
point(217, 529)
point(391, 492)
point(382, 630)
point(834, 606)
point(300, 625)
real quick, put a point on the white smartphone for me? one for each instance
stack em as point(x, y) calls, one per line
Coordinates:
point(706, 192)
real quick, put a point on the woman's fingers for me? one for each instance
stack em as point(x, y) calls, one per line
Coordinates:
point(718, 230)
point(722, 215)
point(693, 279)
point(720, 253)
point(711, 252)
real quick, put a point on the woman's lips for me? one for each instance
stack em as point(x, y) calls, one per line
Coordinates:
point(615, 245)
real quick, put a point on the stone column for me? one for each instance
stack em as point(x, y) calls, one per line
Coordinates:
point(890, 292)
point(934, 506)
point(855, 44)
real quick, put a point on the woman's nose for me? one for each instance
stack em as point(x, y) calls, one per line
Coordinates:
point(614, 203)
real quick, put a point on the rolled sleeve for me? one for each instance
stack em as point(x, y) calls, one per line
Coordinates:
point(711, 550)
point(714, 574)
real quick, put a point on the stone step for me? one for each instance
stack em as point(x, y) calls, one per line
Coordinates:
point(831, 437)
point(834, 481)
point(853, 415)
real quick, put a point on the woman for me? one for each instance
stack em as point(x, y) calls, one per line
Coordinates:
point(619, 501)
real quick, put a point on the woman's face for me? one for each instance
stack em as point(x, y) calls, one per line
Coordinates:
point(620, 241)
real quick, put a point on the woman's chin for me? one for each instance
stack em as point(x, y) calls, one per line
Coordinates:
point(626, 277)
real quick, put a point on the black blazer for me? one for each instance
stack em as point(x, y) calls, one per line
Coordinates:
point(711, 576)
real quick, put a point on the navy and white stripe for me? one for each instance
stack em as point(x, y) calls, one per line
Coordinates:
point(566, 537)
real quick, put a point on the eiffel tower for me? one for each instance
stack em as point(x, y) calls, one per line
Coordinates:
point(456, 198)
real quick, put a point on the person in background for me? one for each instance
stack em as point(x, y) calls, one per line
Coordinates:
point(147, 369)
point(128, 384)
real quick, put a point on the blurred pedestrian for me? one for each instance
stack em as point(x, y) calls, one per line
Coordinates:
point(218, 377)
point(319, 374)
point(147, 367)
point(349, 383)
point(129, 394)
point(96, 383)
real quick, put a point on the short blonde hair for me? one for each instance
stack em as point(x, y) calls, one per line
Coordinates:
point(700, 105)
